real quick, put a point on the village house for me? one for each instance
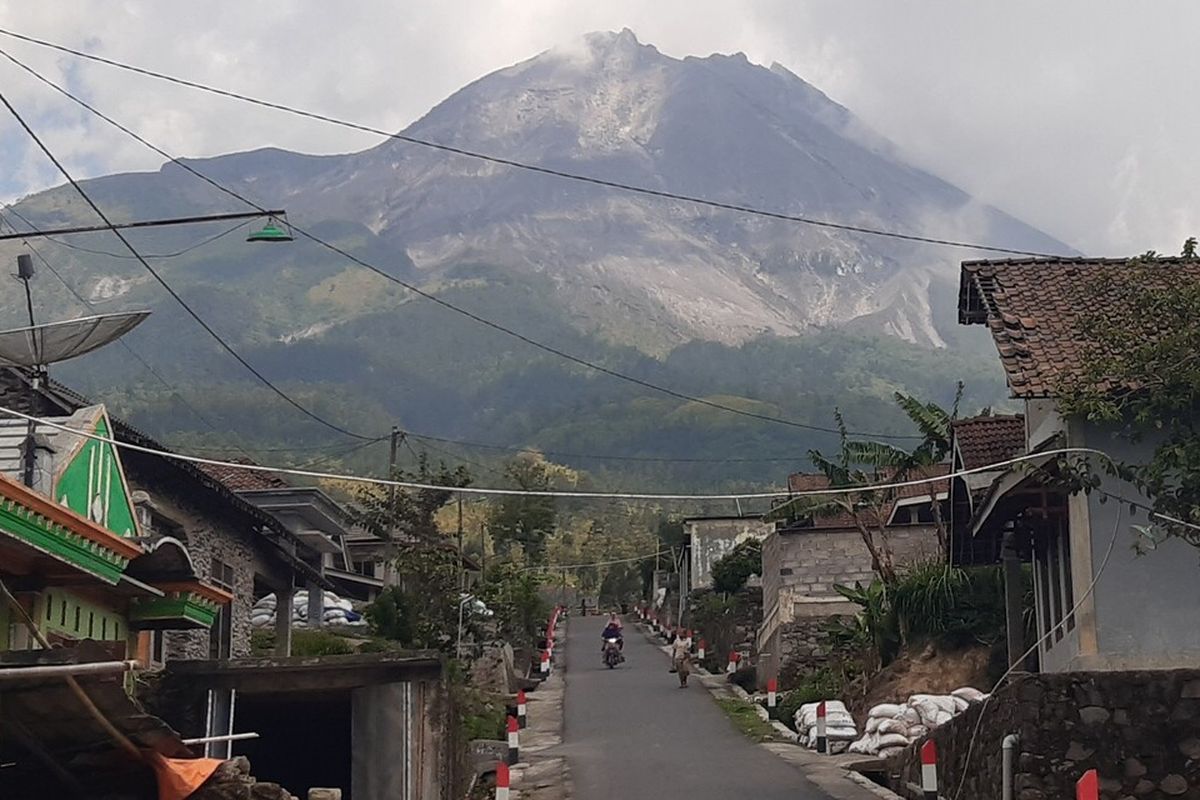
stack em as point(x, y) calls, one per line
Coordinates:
point(709, 539)
point(1142, 612)
point(232, 544)
point(807, 555)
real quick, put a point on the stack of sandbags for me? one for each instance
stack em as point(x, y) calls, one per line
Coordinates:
point(334, 611)
point(839, 726)
point(891, 727)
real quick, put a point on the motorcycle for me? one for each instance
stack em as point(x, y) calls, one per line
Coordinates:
point(612, 653)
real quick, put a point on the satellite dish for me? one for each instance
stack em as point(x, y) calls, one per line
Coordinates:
point(41, 345)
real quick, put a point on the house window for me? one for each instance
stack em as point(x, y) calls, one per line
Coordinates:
point(104, 627)
point(62, 613)
point(365, 568)
point(77, 612)
point(1052, 582)
point(222, 574)
point(220, 635)
point(91, 624)
point(157, 647)
point(49, 607)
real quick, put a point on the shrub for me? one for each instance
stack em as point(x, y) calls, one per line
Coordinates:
point(319, 643)
point(730, 572)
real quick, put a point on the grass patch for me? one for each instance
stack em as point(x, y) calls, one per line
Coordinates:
point(746, 719)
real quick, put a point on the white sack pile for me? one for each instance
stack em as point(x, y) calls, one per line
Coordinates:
point(892, 727)
point(839, 726)
point(336, 611)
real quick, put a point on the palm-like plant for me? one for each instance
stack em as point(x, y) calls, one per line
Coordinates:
point(862, 463)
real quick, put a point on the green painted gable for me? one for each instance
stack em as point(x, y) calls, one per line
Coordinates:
point(93, 484)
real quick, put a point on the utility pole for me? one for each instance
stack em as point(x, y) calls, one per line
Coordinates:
point(392, 489)
point(482, 552)
point(462, 569)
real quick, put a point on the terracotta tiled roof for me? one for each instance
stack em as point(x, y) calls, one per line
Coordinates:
point(989, 440)
point(808, 482)
point(242, 480)
point(1033, 308)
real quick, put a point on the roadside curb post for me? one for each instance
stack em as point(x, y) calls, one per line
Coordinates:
point(929, 778)
point(502, 781)
point(700, 650)
point(1088, 786)
point(822, 738)
point(772, 688)
point(545, 668)
point(514, 742)
point(522, 719)
point(734, 658)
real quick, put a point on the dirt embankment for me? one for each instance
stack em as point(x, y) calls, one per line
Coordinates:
point(927, 670)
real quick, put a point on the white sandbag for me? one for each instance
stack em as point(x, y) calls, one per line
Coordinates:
point(926, 711)
point(888, 752)
point(893, 740)
point(969, 694)
point(267, 601)
point(894, 726)
point(960, 704)
point(873, 724)
point(942, 718)
point(917, 732)
point(944, 702)
point(839, 746)
point(885, 710)
point(909, 715)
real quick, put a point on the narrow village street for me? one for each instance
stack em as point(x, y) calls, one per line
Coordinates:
point(631, 733)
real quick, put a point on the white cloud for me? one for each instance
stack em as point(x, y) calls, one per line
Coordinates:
point(1033, 106)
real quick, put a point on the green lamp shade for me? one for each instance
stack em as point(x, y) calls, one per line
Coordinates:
point(270, 233)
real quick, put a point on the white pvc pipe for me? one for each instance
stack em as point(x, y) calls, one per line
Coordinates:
point(229, 737)
point(1008, 748)
point(66, 670)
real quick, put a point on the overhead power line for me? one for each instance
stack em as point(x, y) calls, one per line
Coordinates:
point(162, 282)
point(128, 348)
point(508, 162)
point(484, 321)
point(479, 490)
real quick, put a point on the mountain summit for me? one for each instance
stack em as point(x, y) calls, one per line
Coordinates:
point(655, 272)
point(629, 268)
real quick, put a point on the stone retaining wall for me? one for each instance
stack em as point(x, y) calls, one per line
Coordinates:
point(1139, 730)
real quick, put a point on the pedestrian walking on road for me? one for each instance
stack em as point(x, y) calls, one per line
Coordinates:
point(681, 658)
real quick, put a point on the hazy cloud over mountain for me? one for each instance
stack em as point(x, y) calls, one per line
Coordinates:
point(1077, 116)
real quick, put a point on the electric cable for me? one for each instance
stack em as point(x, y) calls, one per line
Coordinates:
point(556, 567)
point(64, 243)
point(128, 347)
point(508, 162)
point(833, 491)
point(162, 282)
point(484, 321)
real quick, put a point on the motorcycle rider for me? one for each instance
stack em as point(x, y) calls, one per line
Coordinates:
point(613, 630)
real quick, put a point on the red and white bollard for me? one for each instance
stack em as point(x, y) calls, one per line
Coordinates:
point(700, 650)
point(502, 779)
point(514, 741)
point(822, 731)
point(929, 786)
point(545, 667)
point(1088, 787)
point(772, 688)
point(522, 720)
point(734, 658)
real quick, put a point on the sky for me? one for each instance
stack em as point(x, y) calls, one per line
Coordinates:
point(1078, 116)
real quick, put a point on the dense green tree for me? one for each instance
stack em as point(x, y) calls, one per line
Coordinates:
point(524, 520)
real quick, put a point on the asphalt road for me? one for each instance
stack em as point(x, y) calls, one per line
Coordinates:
point(632, 734)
